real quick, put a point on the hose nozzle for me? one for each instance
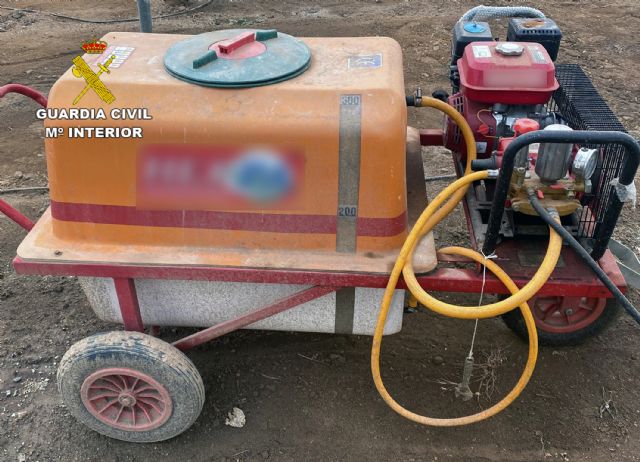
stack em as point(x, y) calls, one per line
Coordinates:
point(462, 389)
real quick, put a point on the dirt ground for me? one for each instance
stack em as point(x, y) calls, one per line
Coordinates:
point(310, 397)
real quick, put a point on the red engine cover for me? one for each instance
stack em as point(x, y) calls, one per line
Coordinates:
point(489, 75)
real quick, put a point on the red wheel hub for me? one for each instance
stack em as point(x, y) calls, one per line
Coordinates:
point(562, 315)
point(126, 399)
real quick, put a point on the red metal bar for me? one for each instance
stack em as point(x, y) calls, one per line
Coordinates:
point(128, 300)
point(465, 206)
point(254, 316)
point(26, 91)
point(431, 137)
point(610, 266)
point(15, 216)
point(571, 280)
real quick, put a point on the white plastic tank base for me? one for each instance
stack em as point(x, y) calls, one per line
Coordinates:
point(205, 303)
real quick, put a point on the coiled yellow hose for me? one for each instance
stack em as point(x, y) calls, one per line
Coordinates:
point(431, 216)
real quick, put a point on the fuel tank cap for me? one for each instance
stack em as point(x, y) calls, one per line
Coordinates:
point(237, 58)
point(509, 49)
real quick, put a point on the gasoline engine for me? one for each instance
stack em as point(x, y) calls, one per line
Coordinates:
point(505, 89)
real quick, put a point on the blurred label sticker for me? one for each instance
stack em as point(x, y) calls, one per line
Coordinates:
point(371, 61)
point(202, 177)
point(481, 51)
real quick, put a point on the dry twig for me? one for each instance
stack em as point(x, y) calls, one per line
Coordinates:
point(485, 373)
point(608, 405)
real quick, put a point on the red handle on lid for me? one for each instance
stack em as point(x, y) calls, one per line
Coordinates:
point(228, 46)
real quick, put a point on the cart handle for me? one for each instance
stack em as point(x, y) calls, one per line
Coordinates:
point(26, 91)
point(16, 216)
point(39, 98)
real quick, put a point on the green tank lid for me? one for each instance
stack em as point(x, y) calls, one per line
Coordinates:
point(237, 58)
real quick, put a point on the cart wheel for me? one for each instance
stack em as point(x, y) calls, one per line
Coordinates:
point(130, 386)
point(565, 320)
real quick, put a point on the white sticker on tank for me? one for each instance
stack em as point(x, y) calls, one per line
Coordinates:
point(481, 51)
point(371, 61)
point(121, 54)
point(481, 147)
point(537, 55)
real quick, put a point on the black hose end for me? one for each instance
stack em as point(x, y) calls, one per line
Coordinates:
point(489, 163)
point(411, 101)
point(441, 95)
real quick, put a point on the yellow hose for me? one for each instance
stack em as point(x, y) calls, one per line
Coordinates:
point(431, 216)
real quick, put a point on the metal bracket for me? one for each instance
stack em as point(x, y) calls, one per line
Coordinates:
point(628, 262)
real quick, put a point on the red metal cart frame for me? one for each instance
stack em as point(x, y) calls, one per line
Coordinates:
point(468, 280)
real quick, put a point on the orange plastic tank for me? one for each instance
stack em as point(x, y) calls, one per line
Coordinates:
point(95, 182)
point(331, 138)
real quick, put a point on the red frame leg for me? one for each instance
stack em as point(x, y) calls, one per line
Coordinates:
point(129, 307)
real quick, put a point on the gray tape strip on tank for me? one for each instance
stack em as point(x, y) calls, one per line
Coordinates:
point(348, 172)
point(345, 306)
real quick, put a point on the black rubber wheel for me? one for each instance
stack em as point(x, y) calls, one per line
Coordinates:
point(549, 335)
point(130, 386)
